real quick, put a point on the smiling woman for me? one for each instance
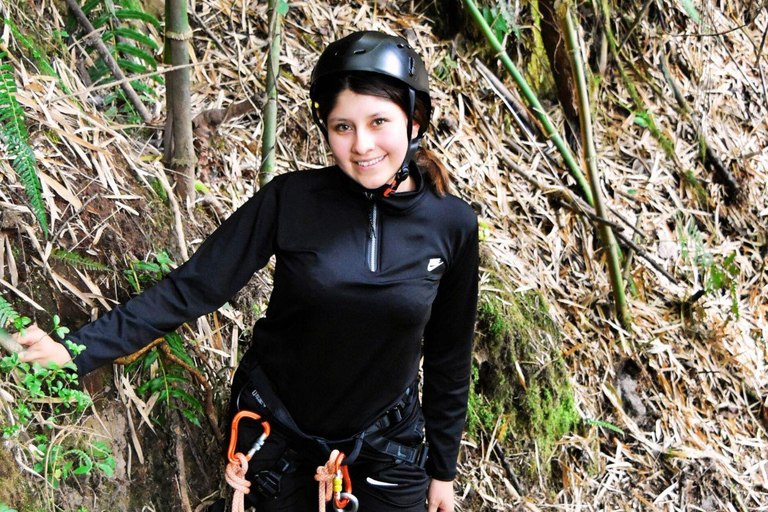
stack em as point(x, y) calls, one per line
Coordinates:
point(376, 267)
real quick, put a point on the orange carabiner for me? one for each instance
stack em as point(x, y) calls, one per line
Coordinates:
point(341, 471)
point(233, 438)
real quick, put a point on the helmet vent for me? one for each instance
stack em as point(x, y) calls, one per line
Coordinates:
point(357, 52)
point(410, 66)
point(400, 45)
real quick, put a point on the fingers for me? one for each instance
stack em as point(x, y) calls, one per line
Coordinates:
point(32, 335)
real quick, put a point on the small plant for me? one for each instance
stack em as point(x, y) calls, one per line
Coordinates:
point(170, 382)
point(712, 273)
point(58, 462)
point(47, 397)
point(147, 272)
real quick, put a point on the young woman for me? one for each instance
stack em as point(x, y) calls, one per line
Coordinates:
point(372, 257)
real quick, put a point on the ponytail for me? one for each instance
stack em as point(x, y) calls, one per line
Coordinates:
point(433, 170)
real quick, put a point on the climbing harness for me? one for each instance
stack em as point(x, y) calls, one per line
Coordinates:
point(332, 478)
point(238, 463)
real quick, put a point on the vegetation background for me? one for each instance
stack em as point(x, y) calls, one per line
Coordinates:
point(580, 400)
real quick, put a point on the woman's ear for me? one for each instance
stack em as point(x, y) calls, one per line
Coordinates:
point(415, 130)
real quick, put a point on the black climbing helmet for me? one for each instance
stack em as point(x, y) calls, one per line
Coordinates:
point(376, 52)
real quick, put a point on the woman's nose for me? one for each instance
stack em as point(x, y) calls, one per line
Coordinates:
point(363, 142)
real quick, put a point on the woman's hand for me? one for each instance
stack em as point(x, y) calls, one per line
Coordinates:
point(440, 496)
point(41, 348)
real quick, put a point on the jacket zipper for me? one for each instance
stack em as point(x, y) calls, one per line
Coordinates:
point(372, 249)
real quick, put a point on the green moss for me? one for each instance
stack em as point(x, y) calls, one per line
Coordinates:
point(14, 487)
point(538, 70)
point(520, 375)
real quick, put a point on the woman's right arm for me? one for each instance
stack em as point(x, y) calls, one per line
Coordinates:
point(220, 267)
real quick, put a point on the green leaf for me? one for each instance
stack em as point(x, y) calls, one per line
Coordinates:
point(7, 313)
point(132, 14)
point(282, 7)
point(642, 119)
point(692, 11)
point(6, 508)
point(188, 399)
point(605, 424)
point(131, 33)
point(191, 417)
point(129, 49)
point(106, 468)
point(177, 348)
point(86, 463)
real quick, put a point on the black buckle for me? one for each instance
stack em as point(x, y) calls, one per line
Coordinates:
point(395, 414)
point(268, 481)
point(421, 458)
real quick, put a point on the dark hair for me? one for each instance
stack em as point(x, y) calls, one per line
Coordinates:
point(382, 86)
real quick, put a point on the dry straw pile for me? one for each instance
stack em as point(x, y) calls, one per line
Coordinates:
point(687, 386)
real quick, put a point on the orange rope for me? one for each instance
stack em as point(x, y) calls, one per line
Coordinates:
point(238, 463)
point(324, 476)
point(235, 475)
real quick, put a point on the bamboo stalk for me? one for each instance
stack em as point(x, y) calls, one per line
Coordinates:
point(590, 157)
point(178, 102)
point(82, 19)
point(267, 169)
point(530, 96)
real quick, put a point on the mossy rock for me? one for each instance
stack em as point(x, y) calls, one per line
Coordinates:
point(519, 374)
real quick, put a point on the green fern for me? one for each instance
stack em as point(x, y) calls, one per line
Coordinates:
point(131, 48)
point(7, 313)
point(76, 260)
point(14, 135)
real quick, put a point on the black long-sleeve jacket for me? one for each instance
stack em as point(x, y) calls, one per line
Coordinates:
point(358, 283)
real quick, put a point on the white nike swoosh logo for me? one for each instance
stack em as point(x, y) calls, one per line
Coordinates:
point(433, 265)
point(379, 483)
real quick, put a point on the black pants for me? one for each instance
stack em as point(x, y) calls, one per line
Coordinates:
point(380, 483)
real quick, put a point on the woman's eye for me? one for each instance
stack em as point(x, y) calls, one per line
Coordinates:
point(379, 121)
point(341, 127)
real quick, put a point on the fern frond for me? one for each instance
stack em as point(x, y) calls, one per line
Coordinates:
point(78, 261)
point(130, 33)
point(38, 53)
point(7, 313)
point(14, 135)
point(138, 53)
point(133, 14)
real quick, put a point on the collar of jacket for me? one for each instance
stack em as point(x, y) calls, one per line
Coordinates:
point(397, 202)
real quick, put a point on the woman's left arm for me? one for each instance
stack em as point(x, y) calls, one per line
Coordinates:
point(448, 358)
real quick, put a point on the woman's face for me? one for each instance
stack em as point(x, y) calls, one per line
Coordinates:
point(367, 138)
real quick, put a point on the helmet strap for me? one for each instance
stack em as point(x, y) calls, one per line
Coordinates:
point(413, 144)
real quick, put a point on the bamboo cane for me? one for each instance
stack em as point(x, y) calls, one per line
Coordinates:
point(267, 169)
point(179, 104)
point(590, 157)
point(530, 96)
